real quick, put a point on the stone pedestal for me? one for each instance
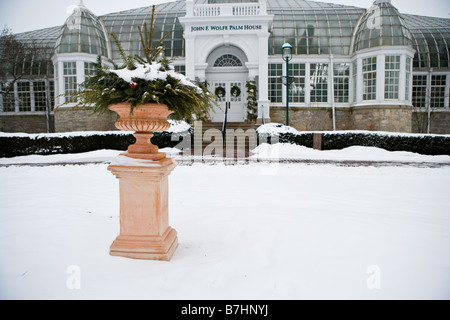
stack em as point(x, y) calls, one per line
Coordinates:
point(144, 220)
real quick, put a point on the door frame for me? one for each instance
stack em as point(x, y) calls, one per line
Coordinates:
point(229, 77)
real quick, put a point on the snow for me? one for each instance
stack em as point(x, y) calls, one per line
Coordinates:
point(152, 72)
point(277, 128)
point(297, 231)
point(176, 126)
point(132, 162)
point(263, 152)
point(356, 153)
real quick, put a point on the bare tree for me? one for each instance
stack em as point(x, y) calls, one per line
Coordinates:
point(430, 99)
point(21, 60)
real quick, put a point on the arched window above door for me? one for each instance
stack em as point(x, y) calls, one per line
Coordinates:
point(228, 60)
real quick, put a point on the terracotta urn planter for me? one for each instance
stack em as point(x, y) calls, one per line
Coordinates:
point(144, 120)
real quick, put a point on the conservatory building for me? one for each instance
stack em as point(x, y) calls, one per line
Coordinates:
point(342, 67)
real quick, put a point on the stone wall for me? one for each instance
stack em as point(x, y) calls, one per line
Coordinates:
point(27, 123)
point(83, 119)
point(382, 118)
point(375, 118)
point(439, 122)
point(304, 119)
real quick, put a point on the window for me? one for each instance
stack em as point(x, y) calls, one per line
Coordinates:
point(7, 98)
point(29, 96)
point(391, 77)
point(369, 71)
point(24, 96)
point(355, 70)
point(297, 93)
point(408, 80)
point(319, 82)
point(236, 98)
point(275, 85)
point(341, 73)
point(51, 84)
point(419, 97)
point(437, 97)
point(70, 80)
point(181, 69)
point(228, 60)
point(40, 96)
point(220, 85)
point(89, 68)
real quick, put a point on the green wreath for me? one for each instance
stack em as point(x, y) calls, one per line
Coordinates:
point(220, 92)
point(235, 91)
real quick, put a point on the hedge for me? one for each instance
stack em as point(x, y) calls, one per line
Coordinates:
point(418, 143)
point(21, 145)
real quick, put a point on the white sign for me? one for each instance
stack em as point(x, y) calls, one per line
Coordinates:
point(228, 27)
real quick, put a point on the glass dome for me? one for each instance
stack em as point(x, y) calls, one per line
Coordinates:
point(82, 32)
point(381, 25)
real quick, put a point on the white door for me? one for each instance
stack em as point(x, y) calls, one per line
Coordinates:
point(234, 93)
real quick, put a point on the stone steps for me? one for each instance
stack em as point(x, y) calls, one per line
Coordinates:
point(240, 138)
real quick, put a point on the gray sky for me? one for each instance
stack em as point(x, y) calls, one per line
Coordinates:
point(27, 15)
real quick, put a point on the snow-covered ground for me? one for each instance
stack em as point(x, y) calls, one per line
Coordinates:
point(276, 152)
point(253, 231)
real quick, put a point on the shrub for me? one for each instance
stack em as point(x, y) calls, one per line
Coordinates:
point(419, 143)
point(12, 146)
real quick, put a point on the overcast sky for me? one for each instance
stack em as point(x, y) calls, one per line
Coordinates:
point(27, 15)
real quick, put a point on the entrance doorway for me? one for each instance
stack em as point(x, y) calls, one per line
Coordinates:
point(234, 92)
point(226, 76)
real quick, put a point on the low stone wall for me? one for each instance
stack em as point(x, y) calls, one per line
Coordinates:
point(83, 119)
point(374, 118)
point(382, 118)
point(304, 118)
point(439, 122)
point(27, 123)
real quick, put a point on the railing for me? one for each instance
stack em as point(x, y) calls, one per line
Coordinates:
point(225, 9)
point(225, 121)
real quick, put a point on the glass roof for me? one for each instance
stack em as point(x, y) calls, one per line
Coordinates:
point(125, 26)
point(82, 32)
point(42, 37)
point(381, 25)
point(231, 1)
point(38, 60)
point(310, 27)
point(431, 40)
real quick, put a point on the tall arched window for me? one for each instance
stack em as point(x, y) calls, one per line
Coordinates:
point(228, 60)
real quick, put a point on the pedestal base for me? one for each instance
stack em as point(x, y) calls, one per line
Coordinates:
point(146, 247)
point(151, 156)
point(144, 218)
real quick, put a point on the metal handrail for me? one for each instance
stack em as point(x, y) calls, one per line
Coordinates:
point(225, 119)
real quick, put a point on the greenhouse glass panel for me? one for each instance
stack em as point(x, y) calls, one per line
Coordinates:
point(419, 94)
point(319, 82)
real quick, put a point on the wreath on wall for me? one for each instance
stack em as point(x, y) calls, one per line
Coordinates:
point(220, 92)
point(235, 91)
